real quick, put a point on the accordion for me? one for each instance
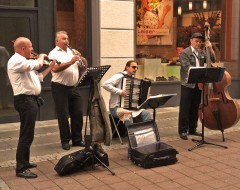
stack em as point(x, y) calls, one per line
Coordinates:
point(137, 92)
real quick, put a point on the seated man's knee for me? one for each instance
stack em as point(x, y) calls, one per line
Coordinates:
point(113, 112)
point(146, 116)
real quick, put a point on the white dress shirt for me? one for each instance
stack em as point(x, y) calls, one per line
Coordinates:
point(113, 85)
point(23, 75)
point(70, 75)
point(195, 53)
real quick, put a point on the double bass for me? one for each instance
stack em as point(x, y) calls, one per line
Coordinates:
point(220, 110)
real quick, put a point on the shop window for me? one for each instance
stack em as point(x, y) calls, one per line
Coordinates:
point(163, 30)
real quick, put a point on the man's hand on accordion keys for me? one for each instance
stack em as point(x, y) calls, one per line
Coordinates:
point(124, 93)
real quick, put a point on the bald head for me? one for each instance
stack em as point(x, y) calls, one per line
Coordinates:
point(23, 46)
point(21, 42)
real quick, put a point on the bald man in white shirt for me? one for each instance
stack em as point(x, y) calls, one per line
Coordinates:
point(25, 81)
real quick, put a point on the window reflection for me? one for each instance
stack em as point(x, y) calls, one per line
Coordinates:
point(11, 28)
point(6, 90)
point(22, 3)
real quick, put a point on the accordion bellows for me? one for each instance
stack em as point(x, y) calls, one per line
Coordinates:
point(137, 92)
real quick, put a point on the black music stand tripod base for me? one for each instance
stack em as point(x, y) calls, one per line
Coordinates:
point(103, 165)
point(92, 152)
point(201, 142)
point(94, 157)
point(205, 75)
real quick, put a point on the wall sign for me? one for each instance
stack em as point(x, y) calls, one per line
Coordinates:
point(154, 22)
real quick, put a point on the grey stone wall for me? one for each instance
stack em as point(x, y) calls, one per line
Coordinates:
point(117, 38)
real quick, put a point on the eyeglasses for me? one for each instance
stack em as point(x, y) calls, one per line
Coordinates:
point(134, 67)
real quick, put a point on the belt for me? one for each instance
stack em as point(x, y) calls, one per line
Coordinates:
point(26, 96)
point(58, 84)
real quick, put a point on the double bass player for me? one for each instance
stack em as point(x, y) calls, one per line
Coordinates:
point(190, 97)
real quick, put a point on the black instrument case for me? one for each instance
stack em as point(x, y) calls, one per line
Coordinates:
point(146, 149)
point(80, 159)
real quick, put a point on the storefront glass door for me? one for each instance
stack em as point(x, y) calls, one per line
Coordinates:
point(14, 23)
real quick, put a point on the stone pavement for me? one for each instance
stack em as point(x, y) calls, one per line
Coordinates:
point(206, 167)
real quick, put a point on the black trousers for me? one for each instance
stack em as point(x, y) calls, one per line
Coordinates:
point(188, 111)
point(27, 107)
point(68, 103)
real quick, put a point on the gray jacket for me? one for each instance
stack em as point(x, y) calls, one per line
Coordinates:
point(187, 60)
point(100, 127)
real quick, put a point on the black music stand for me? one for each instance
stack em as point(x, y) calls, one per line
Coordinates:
point(89, 77)
point(92, 74)
point(204, 75)
point(153, 102)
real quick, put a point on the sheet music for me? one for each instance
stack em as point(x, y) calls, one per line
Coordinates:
point(144, 137)
point(155, 97)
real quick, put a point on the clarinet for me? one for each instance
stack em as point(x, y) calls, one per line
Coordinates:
point(79, 61)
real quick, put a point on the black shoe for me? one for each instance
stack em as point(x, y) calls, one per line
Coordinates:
point(32, 165)
point(195, 133)
point(66, 146)
point(183, 136)
point(26, 174)
point(79, 143)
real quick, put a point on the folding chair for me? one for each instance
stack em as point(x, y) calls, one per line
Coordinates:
point(116, 127)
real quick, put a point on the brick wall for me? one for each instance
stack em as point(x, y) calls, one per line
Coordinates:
point(71, 17)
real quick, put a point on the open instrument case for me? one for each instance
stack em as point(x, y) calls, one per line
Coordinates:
point(146, 149)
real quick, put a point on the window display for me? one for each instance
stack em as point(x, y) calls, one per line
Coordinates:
point(160, 42)
point(157, 69)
